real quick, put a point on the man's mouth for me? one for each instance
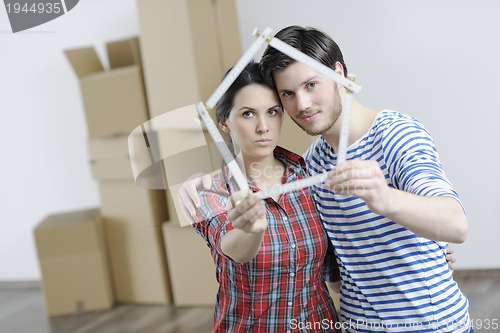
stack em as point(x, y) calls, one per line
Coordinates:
point(309, 116)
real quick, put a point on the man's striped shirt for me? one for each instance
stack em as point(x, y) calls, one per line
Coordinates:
point(392, 279)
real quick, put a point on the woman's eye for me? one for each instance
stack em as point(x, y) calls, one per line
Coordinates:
point(273, 112)
point(247, 114)
point(286, 94)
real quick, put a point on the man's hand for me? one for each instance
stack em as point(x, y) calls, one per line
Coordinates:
point(362, 179)
point(439, 218)
point(450, 257)
point(188, 194)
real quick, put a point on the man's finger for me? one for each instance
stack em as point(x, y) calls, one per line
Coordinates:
point(195, 182)
point(186, 202)
point(451, 258)
point(187, 214)
point(207, 182)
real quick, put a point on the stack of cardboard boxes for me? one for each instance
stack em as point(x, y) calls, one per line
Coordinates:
point(115, 103)
point(186, 47)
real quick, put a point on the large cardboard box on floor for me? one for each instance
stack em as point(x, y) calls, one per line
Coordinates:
point(191, 267)
point(73, 263)
point(131, 218)
point(186, 47)
point(114, 100)
point(188, 258)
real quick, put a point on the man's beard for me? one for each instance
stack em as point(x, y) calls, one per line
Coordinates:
point(334, 115)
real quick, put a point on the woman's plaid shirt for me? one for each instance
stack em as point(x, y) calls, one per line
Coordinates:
point(282, 289)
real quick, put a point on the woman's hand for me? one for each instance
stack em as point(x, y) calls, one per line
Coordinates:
point(249, 213)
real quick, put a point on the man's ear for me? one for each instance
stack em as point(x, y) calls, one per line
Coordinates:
point(223, 126)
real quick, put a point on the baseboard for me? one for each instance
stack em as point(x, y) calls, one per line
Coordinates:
point(477, 273)
point(24, 284)
point(458, 274)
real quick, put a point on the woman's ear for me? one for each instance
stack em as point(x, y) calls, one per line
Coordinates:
point(339, 69)
point(223, 126)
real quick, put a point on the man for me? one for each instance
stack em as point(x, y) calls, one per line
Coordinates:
point(386, 209)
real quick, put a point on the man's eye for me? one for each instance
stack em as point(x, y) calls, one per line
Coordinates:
point(311, 85)
point(286, 94)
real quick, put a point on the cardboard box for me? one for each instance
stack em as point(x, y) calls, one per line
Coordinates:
point(114, 99)
point(191, 267)
point(109, 158)
point(186, 47)
point(132, 219)
point(170, 148)
point(73, 263)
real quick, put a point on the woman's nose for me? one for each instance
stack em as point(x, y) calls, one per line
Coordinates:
point(262, 125)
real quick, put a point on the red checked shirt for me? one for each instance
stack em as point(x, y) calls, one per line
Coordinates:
point(282, 289)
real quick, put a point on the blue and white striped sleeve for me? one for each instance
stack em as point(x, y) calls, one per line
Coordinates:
point(412, 160)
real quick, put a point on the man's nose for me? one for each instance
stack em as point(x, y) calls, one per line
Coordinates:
point(303, 102)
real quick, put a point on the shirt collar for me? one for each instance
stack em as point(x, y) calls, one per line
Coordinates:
point(294, 164)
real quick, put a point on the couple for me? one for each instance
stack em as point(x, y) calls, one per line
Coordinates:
point(273, 256)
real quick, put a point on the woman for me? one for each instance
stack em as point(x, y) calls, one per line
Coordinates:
point(272, 256)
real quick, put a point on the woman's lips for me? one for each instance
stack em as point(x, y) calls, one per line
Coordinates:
point(263, 142)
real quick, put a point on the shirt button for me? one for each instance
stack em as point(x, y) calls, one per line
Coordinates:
point(285, 219)
point(292, 274)
point(292, 246)
point(290, 303)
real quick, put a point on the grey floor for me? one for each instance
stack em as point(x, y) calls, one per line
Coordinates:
point(22, 311)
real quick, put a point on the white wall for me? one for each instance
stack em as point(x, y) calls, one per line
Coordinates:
point(436, 60)
point(43, 167)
